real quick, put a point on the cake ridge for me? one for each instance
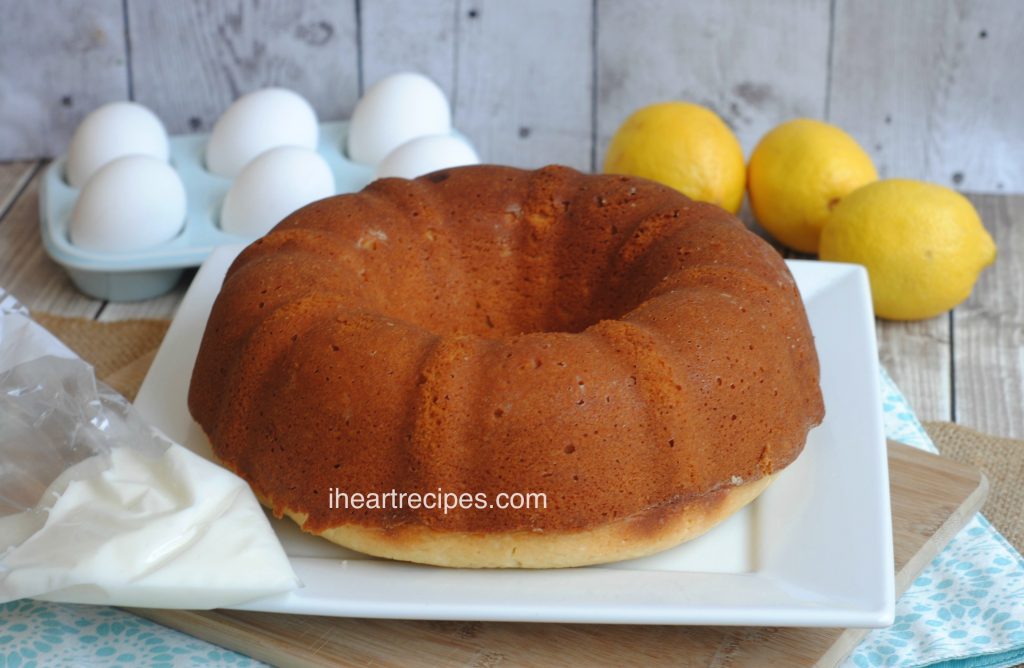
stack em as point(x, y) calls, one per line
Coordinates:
point(653, 372)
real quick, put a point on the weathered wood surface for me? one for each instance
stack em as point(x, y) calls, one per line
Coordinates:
point(738, 58)
point(13, 177)
point(399, 36)
point(524, 95)
point(190, 60)
point(917, 356)
point(58, 60)
point(26, 271)
point(932, 89)
point(988, 330)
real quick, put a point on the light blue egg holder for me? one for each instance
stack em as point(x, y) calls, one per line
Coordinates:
point(143, 274)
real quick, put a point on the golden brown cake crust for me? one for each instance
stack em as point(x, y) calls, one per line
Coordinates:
point(649, 532)
point(602, 340)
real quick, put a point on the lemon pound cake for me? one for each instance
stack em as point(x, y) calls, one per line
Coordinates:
point(639, 362)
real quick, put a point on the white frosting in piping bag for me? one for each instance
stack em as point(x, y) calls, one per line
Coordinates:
point(128, 518)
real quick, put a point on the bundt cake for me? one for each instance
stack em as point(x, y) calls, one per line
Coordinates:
point(639, 359)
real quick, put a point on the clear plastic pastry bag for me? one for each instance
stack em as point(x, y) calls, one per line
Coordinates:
point(98, 507)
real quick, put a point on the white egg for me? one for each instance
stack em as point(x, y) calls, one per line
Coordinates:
point(427, 154)
point(130, 204)
point(261, 120)
point(273, 185)
point(393, 111)
point(110, 132)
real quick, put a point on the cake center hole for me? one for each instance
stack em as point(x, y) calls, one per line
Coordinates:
point(492, 297)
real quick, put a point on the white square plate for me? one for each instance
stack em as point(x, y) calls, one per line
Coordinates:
point(814, 550)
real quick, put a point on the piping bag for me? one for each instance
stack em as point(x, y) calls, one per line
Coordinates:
point(98, 507)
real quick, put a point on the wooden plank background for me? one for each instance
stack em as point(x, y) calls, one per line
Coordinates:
point(932, 88)
point(189, 60)
point(738, 58)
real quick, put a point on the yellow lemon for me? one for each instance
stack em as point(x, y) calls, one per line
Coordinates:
point(798, 172)
point(682, 145)
point(923, 245)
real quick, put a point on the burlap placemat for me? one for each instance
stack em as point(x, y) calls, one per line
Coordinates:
point(122, 351)
point(1002, 460)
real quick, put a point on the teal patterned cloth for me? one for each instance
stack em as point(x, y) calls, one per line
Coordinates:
point(37, 634)
point(965, 609)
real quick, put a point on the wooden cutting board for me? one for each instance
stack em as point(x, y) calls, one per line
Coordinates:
point(932, 499)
